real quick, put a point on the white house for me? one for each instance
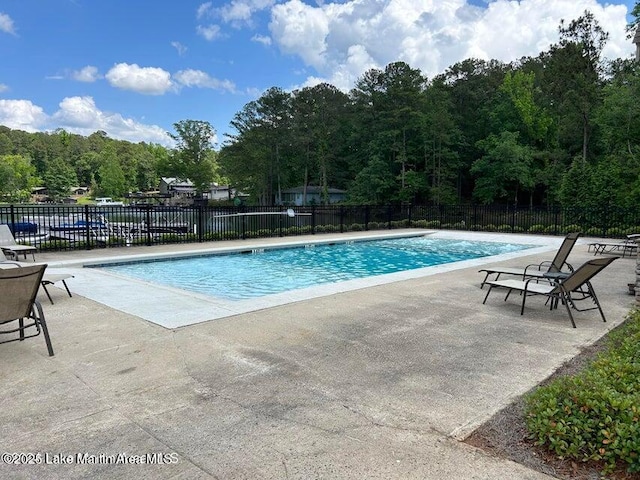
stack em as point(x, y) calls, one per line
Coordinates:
point(313, 195)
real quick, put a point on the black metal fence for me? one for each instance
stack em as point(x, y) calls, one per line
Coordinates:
point(63, 227)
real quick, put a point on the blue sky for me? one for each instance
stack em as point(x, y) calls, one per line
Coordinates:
point(134, 68)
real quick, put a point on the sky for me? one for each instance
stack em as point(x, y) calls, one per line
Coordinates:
point(133, 68)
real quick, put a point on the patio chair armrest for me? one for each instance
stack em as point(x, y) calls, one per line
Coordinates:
point(534, 266)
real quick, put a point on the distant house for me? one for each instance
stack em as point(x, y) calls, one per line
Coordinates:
point(176, 187)
point(296, 195)
point(79, 191)
point(185, 189)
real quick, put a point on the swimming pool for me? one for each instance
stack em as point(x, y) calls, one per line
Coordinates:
point(262, 272)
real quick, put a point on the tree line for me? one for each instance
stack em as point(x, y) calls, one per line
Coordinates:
point(559, 128)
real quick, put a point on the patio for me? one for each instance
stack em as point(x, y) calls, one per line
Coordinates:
point(380, 382)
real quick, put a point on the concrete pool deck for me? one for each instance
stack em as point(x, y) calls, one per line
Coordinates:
point(377, 382)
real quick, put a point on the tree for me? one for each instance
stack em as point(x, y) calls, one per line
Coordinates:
point(504, 169)
point(59, 178)
point(575, 70)
point(111, 181)
point(17, 178)
point(192, 155)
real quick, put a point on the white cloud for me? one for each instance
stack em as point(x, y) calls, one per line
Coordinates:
point(6, 24)
point(81, 115)
point(22, 115)
point(179, 47)
point(145, 80)
point(198, 78)
point(302, 30)
point(204, 10)
point(209, 32)
point(263, 39)
point(3, 87)
point(86, 74)
point(342, 40)
point(239, 12)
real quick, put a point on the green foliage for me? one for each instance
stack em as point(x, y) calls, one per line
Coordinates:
point(595, 415)
point(194, 157)
point(356, 227)
point(59, 178)
point(111, 180)
point(536, 229)
point(17, 178)
point(505, 167)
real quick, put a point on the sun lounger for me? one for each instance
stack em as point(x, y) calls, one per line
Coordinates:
point(628, 246)
point(537, 270)
point(47, 278)
point(51, 278)
point(575, 287)
point(9, 245)
point(21, 315)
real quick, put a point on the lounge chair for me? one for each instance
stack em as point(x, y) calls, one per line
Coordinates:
point(51, 278)
point(627, 246)
point(575, 287)
point(8, 244)
point(537, 270)
point(47, 278)
point(20, 312)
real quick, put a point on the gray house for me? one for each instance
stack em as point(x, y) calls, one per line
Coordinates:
point(296, 196)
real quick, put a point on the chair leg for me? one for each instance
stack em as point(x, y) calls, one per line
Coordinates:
point(566, 302)
point(44, 285)
point(43, 323)
point(487, 295)
point(66, 287)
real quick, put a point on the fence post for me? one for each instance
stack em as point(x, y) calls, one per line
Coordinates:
point(410, 206)
point(366, 217)
point(513, 218)
point(13, 219)
point(87, 227)
point(148, 220)
point(341, 218)
point(313, 219)
point(389, 217)
point(201, 223)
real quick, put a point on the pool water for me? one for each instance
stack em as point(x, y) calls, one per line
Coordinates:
point(264, 272)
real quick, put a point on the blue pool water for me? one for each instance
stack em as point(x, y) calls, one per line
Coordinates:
point(240, 276)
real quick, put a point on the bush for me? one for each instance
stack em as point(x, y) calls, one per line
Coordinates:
point(595, 415)
point(571, 228)
point(504, 228)
point(537, 229)
point(593, 231)
point(356, 227)
point(420, 224)
point(373, 225)
point(331, 228)
point(433, 224)
point(616, 232)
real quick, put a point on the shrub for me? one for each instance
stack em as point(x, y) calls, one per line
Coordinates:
point(593, 231)
point(331, 228)
point(551, 229)
point(504, 228)
point(373, 225)
point(536, 229)
point(459, 226)
point(632, 230)
point(420, 224)
point(433, 224)
point(356, 227)
point(616, 232)
point(595, 415)
point(571, 228)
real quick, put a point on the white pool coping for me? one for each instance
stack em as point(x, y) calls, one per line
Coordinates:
point(173, 308)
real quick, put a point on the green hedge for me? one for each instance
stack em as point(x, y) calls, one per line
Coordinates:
point(595, 415)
